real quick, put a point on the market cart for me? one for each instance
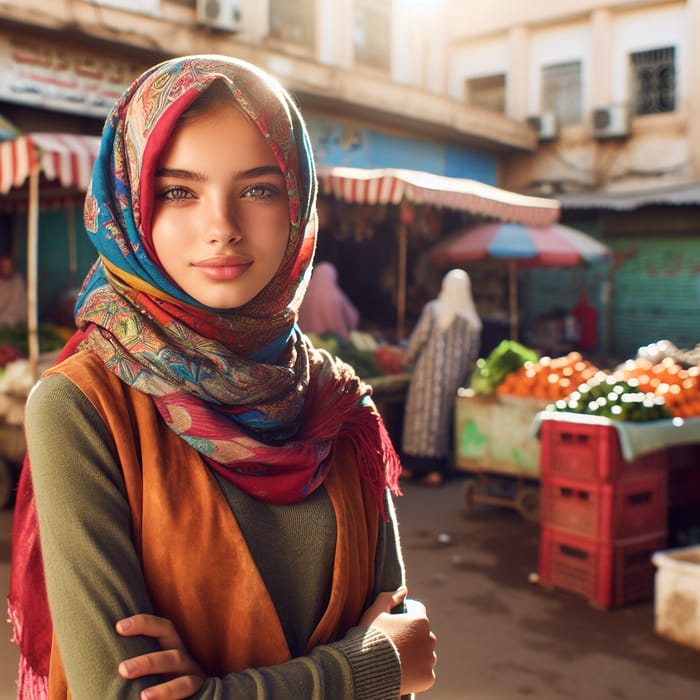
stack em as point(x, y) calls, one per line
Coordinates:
point(495, 443)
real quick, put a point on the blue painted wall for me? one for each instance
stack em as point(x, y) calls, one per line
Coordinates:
point(338, 144)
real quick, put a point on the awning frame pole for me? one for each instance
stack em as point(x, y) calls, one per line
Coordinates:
point(513, 298)
point(32, 273)
point(401, 301)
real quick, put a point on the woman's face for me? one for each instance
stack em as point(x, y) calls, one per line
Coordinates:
point(221, 212)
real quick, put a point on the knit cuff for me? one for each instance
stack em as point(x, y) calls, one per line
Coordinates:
point(376, 669)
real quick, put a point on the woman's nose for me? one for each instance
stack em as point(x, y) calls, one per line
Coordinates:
point(222, 226)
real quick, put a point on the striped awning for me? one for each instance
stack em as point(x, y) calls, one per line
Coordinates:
point(65, 158)
point(392, 186)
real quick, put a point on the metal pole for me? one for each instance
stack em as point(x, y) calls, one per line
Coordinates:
point(513, 298)
point(32, 273)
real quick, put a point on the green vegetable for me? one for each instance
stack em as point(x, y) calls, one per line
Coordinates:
point(508, 356)
point(604, 395)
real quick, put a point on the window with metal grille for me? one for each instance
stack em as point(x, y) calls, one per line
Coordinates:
point(488, 92)
point(371, 35)
point(561, 91)
point(292, 21)
point(653, 80)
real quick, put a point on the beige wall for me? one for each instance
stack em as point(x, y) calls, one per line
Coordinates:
point(436, 48)
point(659, 150)
point(412, 98)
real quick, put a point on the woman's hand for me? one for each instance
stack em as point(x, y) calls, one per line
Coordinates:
point(411, 634)
point(186, 677)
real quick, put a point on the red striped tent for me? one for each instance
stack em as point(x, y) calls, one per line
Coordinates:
point(64, 160)
point(396, 186)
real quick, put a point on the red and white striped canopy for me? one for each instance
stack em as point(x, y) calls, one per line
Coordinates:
point(66, 158)
point(393, 185)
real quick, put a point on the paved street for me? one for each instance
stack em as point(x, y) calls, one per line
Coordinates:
point(501, 637)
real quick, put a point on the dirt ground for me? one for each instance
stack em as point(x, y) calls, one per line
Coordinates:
point(503, 637)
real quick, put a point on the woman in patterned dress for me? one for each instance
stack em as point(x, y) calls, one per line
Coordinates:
point(441, 350)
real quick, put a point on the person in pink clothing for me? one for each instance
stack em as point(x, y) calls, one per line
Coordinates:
point(13, 294)
point(326, 308)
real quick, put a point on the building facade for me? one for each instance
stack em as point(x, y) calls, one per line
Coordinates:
point(610, 88)
point(369, 77)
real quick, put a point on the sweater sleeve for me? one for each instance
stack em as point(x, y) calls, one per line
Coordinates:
point(94, 577)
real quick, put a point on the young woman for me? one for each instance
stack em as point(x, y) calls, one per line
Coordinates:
point(212, 494)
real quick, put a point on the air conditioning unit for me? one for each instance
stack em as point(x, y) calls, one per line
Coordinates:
point(220, 14)
point(546, 125)
point(610, 122)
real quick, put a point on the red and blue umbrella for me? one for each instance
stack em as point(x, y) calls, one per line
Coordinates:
point(547, 246)
point(519, 246)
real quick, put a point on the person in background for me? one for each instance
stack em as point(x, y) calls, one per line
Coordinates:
point(440, 352)
point(326, 308)
point(212, 495)
point(13, 294)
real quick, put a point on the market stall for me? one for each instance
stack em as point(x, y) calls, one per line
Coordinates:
point(37, 169)
point(520, 246)
point(411, 190)
point(610, 459)
point(62, 162)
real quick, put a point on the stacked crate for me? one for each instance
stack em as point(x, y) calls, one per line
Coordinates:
point(602, 517)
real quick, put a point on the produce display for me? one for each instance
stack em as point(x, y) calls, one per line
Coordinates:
point(8, 353)
point(678, 386)
point(549, 378)
point(607, 395)
point(660, 383)
point(14, 340)
point(367, 355)
point(491, 371)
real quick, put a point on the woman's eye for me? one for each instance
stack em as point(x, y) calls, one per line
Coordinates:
point(174, 193)
point(261, 192)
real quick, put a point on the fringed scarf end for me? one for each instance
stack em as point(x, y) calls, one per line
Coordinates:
point(378, 462)
point(30, 684)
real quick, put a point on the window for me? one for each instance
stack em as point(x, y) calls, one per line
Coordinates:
point(561, 91)
point(293, 21)
point(488, 92)
point(653, 81)
point(371, 36)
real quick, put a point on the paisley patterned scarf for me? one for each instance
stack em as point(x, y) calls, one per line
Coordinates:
point(244, 387)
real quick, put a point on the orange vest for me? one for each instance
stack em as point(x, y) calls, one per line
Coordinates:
point(195, 572)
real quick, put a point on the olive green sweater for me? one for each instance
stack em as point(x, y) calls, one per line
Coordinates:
point(94, 577)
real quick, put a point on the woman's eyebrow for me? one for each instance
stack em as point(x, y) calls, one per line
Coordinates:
point(181, 174)
point(263, 170)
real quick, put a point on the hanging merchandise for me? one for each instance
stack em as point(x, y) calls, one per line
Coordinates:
point(586, 318)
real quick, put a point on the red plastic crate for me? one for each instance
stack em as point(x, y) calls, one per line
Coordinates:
point(607, 575)
point(684, 456)
point(590, 451)
point(633, 507)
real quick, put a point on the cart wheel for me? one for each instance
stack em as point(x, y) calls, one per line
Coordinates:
point(527, 503)
point(7, 483)
point(470, 489)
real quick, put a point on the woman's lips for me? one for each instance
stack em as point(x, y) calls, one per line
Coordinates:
point(224, 268)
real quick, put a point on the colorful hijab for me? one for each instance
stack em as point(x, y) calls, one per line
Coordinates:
point(455, 299)
point(244, 387)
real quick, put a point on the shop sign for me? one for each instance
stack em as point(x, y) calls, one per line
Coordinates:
point(54, 77)
point(147, 7)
